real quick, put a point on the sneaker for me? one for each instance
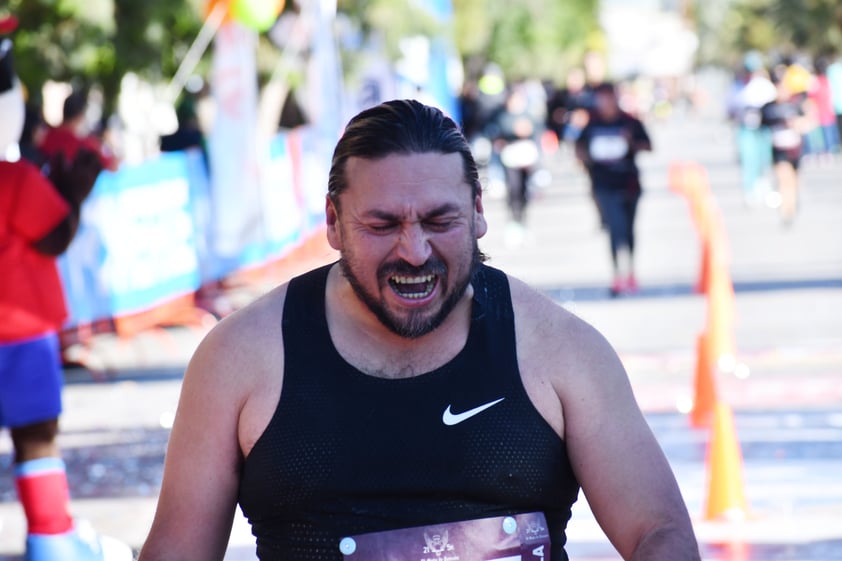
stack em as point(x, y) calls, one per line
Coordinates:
point(617, 288)
point(80, 544)
point(631, 285)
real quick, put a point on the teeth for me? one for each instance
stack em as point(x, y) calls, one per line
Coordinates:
point(417, 295)
point(427, 280)
point(413, 280)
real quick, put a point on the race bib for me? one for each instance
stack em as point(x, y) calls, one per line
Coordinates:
point(520, 537)
point(520, 154)
point(608, 148)
point(785, 139)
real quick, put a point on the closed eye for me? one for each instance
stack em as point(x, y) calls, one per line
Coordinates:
point(438, 225)
point(384, 228)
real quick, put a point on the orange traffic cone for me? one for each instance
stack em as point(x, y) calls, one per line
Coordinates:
point(720, 316)
point(726, 496)
point(707, 255)
point(713, 237)
point(704, 399)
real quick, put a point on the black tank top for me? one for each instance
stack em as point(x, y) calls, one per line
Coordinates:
point(347, 453)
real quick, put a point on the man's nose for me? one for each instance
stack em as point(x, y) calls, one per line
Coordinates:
point(414, 245)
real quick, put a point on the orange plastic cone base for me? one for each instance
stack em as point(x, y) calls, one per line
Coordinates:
point(704, 400)
point(726, 497)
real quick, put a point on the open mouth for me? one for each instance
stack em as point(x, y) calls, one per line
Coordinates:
point(413, 288)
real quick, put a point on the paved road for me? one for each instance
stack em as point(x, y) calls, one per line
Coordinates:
point(789, 336)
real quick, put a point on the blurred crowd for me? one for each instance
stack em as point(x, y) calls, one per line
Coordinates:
point(784, 110)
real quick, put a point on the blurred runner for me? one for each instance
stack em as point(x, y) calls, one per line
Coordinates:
point(753, 140)
point(787, 120)
point(607, 147)
point(568, 108)
point(515, 131)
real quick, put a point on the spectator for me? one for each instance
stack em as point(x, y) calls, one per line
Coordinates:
point(34, 129)
point(73, 133)
point(188, 134)
point(822, 97)
point(834, 78)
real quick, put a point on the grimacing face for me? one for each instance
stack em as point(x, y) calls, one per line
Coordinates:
point(407, 235)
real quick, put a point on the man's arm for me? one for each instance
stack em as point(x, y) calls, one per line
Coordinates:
point(620, 466)
point(640, 138)
point(201, 471)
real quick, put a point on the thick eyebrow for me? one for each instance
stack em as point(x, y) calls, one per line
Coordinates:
point(446, 208)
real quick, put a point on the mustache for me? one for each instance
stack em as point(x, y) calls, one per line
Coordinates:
point(433, 266)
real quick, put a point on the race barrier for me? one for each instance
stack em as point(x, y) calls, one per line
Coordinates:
point(715, 346)
point(148, 233)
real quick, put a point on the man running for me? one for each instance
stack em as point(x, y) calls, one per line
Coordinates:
point(608, 146)
point(409, 396)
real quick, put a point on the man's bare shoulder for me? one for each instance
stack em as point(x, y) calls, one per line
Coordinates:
point(248, 337)
point(549, 334)
point(538, 316)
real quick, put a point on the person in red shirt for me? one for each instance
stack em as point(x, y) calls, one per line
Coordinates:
point(38, 218)
point(71, 135)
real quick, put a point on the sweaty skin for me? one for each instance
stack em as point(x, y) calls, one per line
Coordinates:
point(574, 378)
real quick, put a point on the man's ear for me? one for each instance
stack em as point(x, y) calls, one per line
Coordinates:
point(480, 225)
point(332, 220)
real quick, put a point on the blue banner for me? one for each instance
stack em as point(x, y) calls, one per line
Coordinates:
point(136, 246)
point(146, 231)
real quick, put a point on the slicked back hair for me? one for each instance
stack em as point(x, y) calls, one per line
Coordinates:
point(399, 127)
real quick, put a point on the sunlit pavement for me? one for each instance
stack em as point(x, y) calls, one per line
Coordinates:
point(788, 334)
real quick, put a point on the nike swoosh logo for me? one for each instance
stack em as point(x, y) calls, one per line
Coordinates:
point(449, 418)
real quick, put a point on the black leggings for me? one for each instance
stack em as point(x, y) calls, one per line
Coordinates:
point(618, 210)
point(517, 188)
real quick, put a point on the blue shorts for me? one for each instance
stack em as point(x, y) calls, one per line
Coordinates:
point(30, 381)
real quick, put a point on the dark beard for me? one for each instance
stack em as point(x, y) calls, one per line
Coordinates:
point(416, 325)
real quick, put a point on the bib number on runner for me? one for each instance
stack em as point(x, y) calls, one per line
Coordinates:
point(520, 537)
point(608, 148)
point(785, 139)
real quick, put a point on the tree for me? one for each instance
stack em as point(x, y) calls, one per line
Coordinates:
point(96, 42)
point(535, 37)
point(769, 26)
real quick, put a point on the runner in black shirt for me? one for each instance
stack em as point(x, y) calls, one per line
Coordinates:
point(786, 119)
point(607, 147)
point(409, 385)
